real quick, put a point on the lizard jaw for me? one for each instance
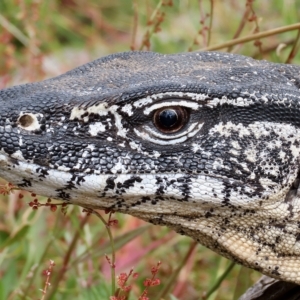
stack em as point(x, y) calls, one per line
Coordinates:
point(232, 231)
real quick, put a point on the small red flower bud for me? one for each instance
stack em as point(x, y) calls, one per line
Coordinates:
point(53, 207)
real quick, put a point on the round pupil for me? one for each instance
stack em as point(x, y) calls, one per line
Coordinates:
point(168, 118)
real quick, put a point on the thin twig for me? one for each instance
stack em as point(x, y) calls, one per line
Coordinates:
point(43, 257)
point(252, 37)
point(241, 26)
point(256, 28)
point(62, 271)
point(135, 26)
point(175, 273)
point(202, 22)
point(47, 273)
point(113, 252)
point(271, 48)
point(294, 49)
point(210, 21)
point(156, 10)
point(151, 30)
point(19, 35)
point(220, 280)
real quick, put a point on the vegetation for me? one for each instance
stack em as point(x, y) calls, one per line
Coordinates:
point(73, 250)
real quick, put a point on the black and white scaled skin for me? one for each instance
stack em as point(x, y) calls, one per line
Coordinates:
point(205, 143)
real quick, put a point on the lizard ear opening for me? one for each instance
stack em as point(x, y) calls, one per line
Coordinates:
point(26, 120)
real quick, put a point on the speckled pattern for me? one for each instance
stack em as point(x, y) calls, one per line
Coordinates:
point(228, 178)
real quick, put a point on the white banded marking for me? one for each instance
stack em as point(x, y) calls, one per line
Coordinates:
point(95, 128)
point(149, 99)
point(184, 103)
point(102, 109)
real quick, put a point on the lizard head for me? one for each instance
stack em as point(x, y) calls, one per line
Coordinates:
point(206, 143)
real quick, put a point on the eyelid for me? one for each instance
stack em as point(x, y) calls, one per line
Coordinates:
point(196, 97)
point(171, 137)
point(184, 103)
point(165, 141)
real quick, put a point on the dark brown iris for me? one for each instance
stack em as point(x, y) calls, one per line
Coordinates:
point(170, 119)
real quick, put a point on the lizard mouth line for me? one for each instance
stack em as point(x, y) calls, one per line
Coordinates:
point(198, 188)
point(7, 160)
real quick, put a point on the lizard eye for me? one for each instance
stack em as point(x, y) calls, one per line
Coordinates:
point(170, 119)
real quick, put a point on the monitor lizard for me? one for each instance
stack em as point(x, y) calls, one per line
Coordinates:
point(206, 143)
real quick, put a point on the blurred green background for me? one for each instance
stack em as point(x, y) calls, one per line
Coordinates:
point(44, 38)
point(41, 38)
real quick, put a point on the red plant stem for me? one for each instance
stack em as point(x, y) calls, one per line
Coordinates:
point(48, 274)
point(113, 252)
point(294, 50)
point(62, 271)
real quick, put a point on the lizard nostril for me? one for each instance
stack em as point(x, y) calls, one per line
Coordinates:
point(31, 122)
point(26, 120)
